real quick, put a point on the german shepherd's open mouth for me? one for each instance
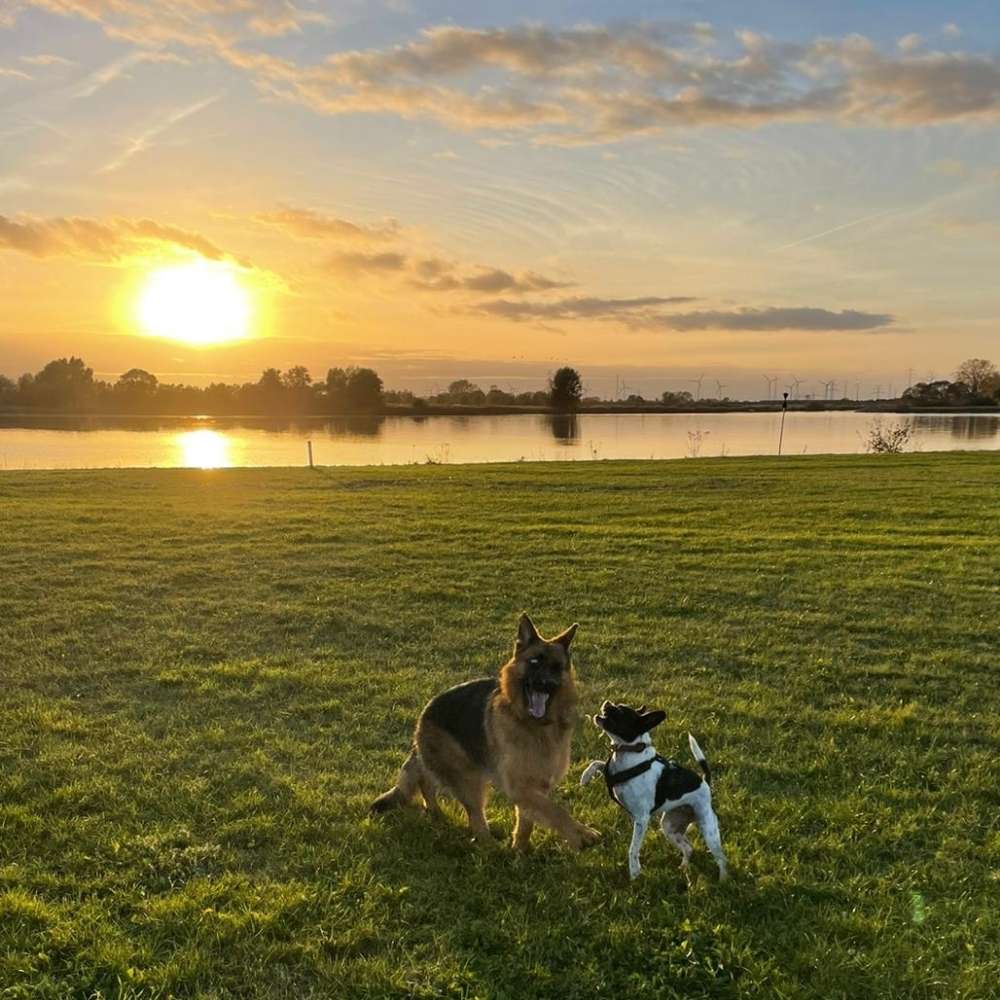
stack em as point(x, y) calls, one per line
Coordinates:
point(542, 679)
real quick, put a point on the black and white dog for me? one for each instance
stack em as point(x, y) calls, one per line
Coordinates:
point(645, 784)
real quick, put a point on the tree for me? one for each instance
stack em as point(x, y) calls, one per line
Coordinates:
point(565, 389)
point(297, 378)
point(364, 390)
point(8, 390)
point(136, 390)
point(63, 384)
point(978, 374)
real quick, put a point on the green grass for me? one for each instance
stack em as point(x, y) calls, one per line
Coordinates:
point(205, 677)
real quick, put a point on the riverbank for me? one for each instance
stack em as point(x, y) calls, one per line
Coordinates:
point(207, 676)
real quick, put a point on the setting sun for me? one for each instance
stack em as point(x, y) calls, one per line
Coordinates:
point(200, 303)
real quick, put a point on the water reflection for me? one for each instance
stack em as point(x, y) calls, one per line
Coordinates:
point(203, 449)
point(364, 426)
point(964, 426)
point(565, 427)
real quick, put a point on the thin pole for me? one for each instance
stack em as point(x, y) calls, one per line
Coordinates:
point(309, 446)
point(784, 407)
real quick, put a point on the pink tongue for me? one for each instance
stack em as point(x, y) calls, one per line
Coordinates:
point(536, 703)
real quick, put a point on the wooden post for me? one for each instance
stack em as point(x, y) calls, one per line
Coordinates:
point(309, 446)
point(781, 433)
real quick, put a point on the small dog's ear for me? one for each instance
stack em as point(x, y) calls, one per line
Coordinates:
point(641, 708)
point(652, 719)
point(526, 631)
point(565, 638)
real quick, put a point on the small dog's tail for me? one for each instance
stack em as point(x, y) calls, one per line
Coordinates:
point(699, 756)
point(406, 787)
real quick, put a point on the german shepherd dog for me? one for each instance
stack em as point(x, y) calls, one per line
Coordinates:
point(513, 731)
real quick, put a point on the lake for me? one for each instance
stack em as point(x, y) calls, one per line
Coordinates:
point(127, 442)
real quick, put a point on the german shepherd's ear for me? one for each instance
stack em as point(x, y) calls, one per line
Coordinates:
point(565, 638)
point(651, 720)
point(526, 631)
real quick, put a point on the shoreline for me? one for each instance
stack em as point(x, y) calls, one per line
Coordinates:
point(797, 406)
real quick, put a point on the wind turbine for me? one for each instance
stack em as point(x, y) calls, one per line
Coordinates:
point(697, 381)
point(772, 385)
point(719, 386)
point(794, 387)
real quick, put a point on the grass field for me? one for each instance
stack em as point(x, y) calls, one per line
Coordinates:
point(205, 677)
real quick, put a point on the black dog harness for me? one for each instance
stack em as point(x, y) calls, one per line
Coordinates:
point(673, 782)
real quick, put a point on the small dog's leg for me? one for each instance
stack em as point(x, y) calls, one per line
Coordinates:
point(674, 824)
point(638, 834)
point(594, 768)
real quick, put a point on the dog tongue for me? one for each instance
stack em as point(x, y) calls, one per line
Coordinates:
point(536, 703)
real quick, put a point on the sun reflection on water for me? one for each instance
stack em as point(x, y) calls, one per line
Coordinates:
point(204, 449)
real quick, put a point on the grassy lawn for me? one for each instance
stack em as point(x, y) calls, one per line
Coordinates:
point(205, 677)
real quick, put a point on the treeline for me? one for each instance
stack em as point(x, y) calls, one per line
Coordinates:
point(67, 385)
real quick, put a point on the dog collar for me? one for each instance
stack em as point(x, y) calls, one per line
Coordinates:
point(629, 748)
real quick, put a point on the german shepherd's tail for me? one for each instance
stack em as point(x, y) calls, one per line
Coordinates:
point(406, 787)
point(699, 756)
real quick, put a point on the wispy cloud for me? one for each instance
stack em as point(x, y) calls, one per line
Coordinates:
point(144, 141)
point(104, 241)
point(118, 68)
point(837, 229)
point(306, 223)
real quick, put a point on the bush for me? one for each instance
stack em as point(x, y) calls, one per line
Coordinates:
point(887, 440)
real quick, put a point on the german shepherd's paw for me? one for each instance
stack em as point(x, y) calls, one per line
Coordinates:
point(583, 837)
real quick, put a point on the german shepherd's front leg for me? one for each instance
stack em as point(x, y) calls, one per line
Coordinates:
point(536, 807)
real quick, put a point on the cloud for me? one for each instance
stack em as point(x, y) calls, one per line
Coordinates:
point(16, 74)
point(118, 68)
point(771, 318)
point(104, 241)
point(951, 30)
point(603, 84)
point(635, 311)
point(47, 59)
point(144, 140)
point(369, 262)
point(574, 85)
point(305, 223)
point(648, 313)
point(440, 276)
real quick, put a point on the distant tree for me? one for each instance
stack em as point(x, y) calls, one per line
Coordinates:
point(364, 390)
point(8, 391)
point(683, 398)
point(297, 378)
point(462, 386)
point(941, 392)
point(63, 384)
point(353, 390)
point(978, 374)
point(135, 391)
point(497, 397)
point(565, 389)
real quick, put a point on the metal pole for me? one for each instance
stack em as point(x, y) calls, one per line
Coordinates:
point(309, 446)
point(784, 407)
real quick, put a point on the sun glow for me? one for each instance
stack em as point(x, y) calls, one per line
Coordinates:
point(203, 449)
point(199, 303)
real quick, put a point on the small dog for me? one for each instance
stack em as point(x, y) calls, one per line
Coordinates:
point(512, 731)
point(645, 784)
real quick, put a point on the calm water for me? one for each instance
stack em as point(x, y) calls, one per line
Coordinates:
point(129, 442)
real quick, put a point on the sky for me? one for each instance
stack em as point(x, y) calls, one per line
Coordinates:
point(707, 189)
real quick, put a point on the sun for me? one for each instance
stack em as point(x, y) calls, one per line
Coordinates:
point(199, 303)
